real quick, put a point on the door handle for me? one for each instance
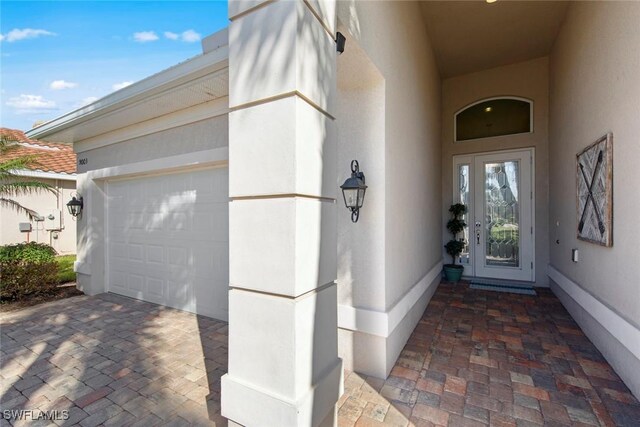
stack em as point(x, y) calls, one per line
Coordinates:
point(478, 237)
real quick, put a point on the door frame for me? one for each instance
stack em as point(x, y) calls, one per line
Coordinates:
point(469, 158)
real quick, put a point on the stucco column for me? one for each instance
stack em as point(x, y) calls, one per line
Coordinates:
point(284, 368)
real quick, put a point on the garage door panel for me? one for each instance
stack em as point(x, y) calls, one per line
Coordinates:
point(122, 265)
point(168, 240)
point(155, 254)
point(155, 290)
point(135, 282)
point(182, 277)
point(178, 256)
point(155, 188)
point(180, 296)
point(211, 257)
point(136, 252)
point(118, 280)
point(155, 273)
point(154, 222)
point(117, 250)
point(209, 298)
point(179, 221)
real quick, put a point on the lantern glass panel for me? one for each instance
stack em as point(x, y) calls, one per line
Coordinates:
point(361, 196)
point(350, 197)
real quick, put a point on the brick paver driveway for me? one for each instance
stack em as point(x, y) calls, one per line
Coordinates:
point(476, 358)
point(110, 360)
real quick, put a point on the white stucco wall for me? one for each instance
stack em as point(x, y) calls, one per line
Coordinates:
point(197, 136)
point(392, 35)
point(360, 131)
point(43, 203)
point(594, 89)
point(529, 79)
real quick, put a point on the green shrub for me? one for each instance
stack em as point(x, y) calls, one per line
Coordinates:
point(27, 269)
point(29, 252)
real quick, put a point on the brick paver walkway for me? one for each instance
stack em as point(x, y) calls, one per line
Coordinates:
point(110, 360)
point(482, 358)
point(475, 358)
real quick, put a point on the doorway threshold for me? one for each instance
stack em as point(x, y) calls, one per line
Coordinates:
point(499, 285)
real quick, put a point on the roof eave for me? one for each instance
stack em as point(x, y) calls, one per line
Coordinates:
point(46, 174)
point(156, 84)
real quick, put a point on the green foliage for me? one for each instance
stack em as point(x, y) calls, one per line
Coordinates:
point(28, 252)
point(13, 185)
point(65, 268)
point(455, 225)
point(506, 232)
point(27, 269)
point(457, 210)
point(454, 248)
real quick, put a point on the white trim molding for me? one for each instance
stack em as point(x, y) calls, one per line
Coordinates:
point(617, 338)
point(620, 328)
point(47, 175)
point(381, 323)
point(181, 162)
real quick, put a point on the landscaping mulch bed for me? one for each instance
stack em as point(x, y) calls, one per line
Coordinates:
point(66, 290)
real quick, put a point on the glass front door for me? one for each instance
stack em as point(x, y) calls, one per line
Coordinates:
point(497, 189)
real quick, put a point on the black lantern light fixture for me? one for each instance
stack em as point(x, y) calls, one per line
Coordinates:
point(353, 191)
point(341, 40)
point(75, 206)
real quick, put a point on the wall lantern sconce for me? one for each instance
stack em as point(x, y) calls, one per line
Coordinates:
point(341, 40)
point(75, 206)
point(353, 191)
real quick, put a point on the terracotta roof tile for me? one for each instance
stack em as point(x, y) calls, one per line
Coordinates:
point(49, 156)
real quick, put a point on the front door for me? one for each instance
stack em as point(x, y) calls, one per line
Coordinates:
point(497, 189)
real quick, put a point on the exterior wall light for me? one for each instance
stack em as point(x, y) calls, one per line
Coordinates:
point(353, 191)
point(341, 40)
point(75, 206)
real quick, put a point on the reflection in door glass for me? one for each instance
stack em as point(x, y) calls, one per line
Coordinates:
point(502, 214)
point(463, 182)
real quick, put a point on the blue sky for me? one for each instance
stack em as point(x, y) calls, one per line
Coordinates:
point(58, 55)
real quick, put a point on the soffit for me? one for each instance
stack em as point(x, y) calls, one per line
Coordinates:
point(469, 36)
point(202, 79)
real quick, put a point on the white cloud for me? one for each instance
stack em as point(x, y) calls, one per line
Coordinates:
point(31, 104)
point(145, 36)
point(24, 33)
point(118, 86)
point(190, 36)
point(61, 84)
point(171, 36)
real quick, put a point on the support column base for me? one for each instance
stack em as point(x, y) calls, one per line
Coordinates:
point(244, 405)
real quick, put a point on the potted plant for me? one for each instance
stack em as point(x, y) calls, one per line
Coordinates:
point(454, 247)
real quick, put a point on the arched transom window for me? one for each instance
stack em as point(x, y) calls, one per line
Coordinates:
point(494, 117)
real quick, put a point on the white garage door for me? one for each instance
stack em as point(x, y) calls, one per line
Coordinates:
point(168, 240)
